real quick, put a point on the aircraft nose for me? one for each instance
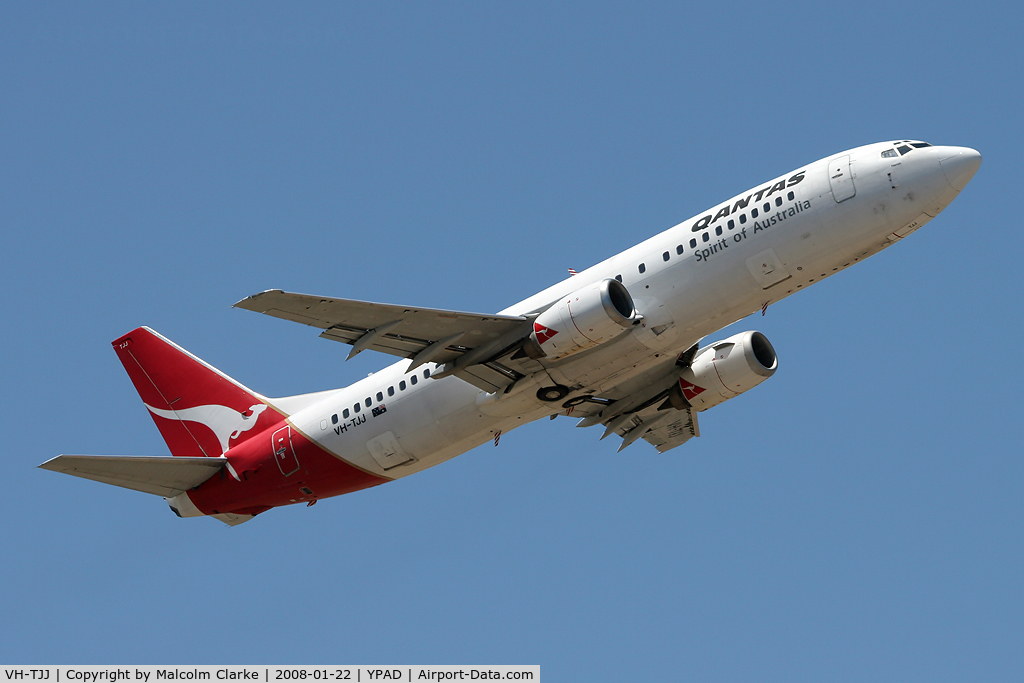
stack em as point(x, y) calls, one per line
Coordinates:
point(959, 164)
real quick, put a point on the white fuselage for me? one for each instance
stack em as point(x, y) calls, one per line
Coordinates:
point(756, 249)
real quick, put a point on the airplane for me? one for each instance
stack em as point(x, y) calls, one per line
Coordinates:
point(617, 345)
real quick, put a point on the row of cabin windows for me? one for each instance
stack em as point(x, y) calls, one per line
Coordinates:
point(706, 236)
point(368, 401)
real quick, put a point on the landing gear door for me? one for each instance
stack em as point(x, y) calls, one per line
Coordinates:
point(840, 178)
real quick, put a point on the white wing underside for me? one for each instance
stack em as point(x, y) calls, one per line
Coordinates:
point(421, 334)
point(165, 476)
point(664, 429)
point(675, 432)
point(641, 409)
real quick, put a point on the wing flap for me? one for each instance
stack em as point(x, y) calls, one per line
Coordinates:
point(484, 377)
point(646, 408)
point(676, 431)
point(159, 475)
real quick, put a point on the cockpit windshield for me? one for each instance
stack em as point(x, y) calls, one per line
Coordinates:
point(903, 147)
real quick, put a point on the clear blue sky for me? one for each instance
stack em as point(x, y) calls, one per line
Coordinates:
point(858, 517)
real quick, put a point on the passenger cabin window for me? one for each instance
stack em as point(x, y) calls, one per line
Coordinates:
point(368, 402)
point(743, 218)
point(753, 212)
point(778, 201)
point(790, 196)
point(391, 391)
point(665, 256)
point(334, 419)
point(413, 379)
point(619, 278)
point(732, 224)
point(767, 207)
point(380, 395)
point(718, 230)
point(705, 237)
point(345, 413)
point(401, 385)
point(426, 374)
point(642, 268)
point(679, 250)
point(693, 243)
point(356, 408)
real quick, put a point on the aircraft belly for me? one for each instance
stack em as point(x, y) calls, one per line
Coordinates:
point(606, 366)
point(443, 419)
point(446, 422)
point(658, 330)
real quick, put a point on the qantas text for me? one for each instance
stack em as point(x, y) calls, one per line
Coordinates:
point(741, 203)
point(722, 243)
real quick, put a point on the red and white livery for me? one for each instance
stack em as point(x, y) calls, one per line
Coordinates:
point(617, 345)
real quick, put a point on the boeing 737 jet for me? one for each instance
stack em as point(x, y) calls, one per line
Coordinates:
point(617, 345)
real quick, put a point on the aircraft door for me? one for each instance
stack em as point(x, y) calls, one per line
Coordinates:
point(386, 450)
point(767, 269)
point(840, 178)
point(284, 452)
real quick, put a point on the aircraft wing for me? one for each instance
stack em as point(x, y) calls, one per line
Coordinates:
point(160, 475)
point(421, 334)
point(650, 407)
point(663, 428)
point(673, 432)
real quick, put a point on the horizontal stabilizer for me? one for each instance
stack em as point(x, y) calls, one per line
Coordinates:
point(160, 475)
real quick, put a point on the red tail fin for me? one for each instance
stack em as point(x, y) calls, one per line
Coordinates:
point(198, 409)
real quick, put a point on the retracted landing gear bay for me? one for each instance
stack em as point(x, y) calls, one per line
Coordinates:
point(553, 393)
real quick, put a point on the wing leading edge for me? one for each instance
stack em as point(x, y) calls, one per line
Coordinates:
point(469, 342)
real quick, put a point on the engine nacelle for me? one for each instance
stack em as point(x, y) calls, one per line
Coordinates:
point(728, 368)
point(589, 316)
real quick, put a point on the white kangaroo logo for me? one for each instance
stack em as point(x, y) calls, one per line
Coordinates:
point(226, 423)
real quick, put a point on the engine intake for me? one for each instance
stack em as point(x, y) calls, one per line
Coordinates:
point(589, 316)
point(728, 368)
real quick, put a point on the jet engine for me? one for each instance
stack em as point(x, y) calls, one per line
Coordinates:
point(589, 316)
point(728, 368)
